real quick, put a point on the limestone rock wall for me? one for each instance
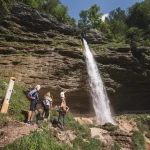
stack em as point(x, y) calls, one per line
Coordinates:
point(37, 49)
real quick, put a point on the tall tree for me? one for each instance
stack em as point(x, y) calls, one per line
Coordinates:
point(50, 5)
point(61, 13)
point(94, 15)
point(90, 18)
point(139, 15)
point(117, 21)
point(117, 14)
point(83, 23)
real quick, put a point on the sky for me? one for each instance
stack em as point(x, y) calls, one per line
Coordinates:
point(75, 6)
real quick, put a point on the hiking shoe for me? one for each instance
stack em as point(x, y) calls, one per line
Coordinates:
point(28, 122)
point(62, 129)
point(32, 122)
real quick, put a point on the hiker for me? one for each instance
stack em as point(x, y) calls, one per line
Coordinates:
point(62, 95)
point(47, 103)
point(34, 100)
point(62, 112)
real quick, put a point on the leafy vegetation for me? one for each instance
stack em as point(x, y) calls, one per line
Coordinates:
point(120, 24)
point(46, 139)
point(43, 140)
point(141, 120)
point(138, 141)
point(130, 24)
point(116, 146)
point(90, 144)
point(83, 140)
point(80, 130)
point(18, 101)
point(53, 7)
point(90, 18)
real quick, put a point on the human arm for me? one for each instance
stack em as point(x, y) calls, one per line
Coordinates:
point(37, 96)
point(33, 94)
point(67, 108)
point(50, 106)
point(66, 90)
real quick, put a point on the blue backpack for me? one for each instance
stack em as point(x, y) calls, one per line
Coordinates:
point(30, 94)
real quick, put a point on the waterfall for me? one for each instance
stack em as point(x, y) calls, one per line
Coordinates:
point(98, 92)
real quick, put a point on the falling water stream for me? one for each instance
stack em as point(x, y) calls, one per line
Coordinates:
point(98, 92)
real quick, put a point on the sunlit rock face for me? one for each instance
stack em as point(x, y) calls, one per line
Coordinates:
point(39, 50)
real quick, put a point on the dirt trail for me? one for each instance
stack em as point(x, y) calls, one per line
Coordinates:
point(13, 130)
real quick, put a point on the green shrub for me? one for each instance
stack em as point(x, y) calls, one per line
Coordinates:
point(116, 146)
point(3, 120)
point(138, 141)
point(80, 130)
point(141, 124)
point(38, 140)
point(134, 33)
point(89, 144)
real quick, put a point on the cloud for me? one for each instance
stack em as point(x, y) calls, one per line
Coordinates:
point(104, 16)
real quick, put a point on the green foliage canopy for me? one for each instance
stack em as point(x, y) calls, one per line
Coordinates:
point(90, 18)
point(139, 15)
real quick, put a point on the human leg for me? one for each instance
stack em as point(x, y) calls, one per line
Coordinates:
point(29, 116)
point(30, 112)
point(32, 109)
point(46, 111)
point(63, 122)
point(34, 114)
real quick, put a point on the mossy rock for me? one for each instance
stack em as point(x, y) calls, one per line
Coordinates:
point(109, 127)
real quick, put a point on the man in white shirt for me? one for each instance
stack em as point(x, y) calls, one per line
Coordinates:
point(62, 94)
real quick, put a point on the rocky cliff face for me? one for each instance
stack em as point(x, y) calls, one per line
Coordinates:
point(37, 49)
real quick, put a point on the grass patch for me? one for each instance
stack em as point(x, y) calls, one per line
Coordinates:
point(142, 121)
point(3, 120)
point(116, 146)
point(90, 144)
point(18, 101)
point(68, 72)
point(80, 130)
point(138, 141)
point(37, 141)
point(104, 48)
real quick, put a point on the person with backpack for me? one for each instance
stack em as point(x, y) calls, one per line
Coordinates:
point(47, 103)
point(62, 112)
point(33, 97)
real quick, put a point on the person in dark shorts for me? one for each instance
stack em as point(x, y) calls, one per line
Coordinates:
point(34, 100)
